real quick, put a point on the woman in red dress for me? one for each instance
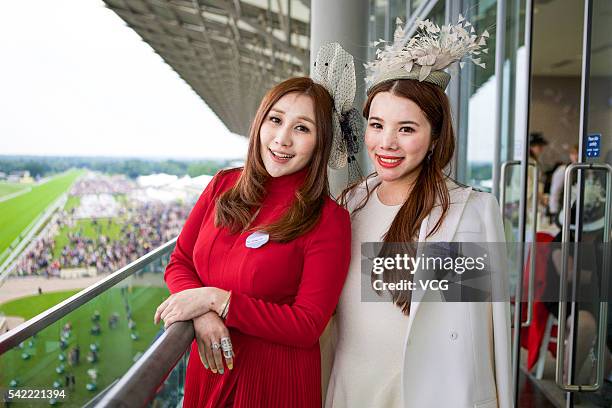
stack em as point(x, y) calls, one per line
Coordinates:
point(266, 249)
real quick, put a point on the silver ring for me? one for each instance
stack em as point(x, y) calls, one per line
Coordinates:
point(226, 343)
point(215, 346)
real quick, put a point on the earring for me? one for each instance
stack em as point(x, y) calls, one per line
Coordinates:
point(429, 155)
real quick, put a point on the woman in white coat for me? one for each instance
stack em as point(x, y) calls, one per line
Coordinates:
point(406, 352)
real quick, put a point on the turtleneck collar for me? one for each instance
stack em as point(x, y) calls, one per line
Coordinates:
point(287, 183)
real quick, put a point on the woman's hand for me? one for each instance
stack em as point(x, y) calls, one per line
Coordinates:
point(190, 303)
point(209, 330)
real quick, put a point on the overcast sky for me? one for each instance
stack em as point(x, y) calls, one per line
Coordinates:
point(75, 80)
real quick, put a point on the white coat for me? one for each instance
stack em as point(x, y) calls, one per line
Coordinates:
point(458, 354)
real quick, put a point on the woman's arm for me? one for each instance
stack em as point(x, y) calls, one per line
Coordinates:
point(181, 273)
point(326, 262)
point(191, 303)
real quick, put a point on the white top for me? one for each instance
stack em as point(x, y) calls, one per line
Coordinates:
point(371, 335)
point(556, 189)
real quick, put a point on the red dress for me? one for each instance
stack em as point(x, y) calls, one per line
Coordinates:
point(283, 295)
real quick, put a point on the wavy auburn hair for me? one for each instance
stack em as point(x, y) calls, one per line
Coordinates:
point(430, 187)
point(238, 207)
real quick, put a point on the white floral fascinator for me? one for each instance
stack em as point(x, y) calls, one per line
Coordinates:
point(425, 56)
point(334, 69)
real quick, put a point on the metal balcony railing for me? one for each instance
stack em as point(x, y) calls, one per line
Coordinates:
point(128, 367)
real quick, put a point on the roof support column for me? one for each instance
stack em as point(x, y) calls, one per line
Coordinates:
point(345, 22)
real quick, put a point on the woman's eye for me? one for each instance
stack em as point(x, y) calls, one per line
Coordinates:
point(274, 119)
point(406, 129)
point(301, 128)
point(376, 125)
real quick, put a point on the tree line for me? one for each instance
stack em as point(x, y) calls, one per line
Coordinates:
point(44, 166)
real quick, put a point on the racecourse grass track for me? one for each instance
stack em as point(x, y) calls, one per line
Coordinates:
point(116, 348)
point(17, 213)
point(10, 188)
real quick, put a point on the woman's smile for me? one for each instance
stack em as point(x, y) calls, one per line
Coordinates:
point(388, 161)
point(280, 157)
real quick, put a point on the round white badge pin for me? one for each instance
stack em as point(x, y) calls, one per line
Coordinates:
point(257, 239)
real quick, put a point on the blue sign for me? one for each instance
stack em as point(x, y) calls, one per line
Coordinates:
point(593, 145)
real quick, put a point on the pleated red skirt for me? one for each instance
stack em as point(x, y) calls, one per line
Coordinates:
point(265, 374)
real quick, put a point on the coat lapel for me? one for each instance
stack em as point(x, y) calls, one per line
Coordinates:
point(458, 199)
point(446, 232)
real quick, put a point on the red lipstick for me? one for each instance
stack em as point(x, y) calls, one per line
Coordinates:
point(389, 161)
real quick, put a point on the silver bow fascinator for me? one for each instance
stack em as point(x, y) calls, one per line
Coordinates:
point(425, 56)
point(334, 69)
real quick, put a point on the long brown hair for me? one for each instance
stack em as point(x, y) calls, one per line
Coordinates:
point(238, 207)
point(430, 186)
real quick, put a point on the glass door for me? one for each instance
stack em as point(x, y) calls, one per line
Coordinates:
point(555, 194)
point(585, 364)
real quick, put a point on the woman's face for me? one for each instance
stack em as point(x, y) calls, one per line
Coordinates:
point(288, 135)
point(398, 136)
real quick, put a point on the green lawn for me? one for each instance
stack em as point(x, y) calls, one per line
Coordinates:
point(116, 349)
point(89, 230)
point(30, 306)
point(17, 213)
point(10, 188)
point(73, 202)
point(121, 198)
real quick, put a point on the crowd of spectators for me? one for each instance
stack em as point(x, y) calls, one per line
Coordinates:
point(143, 227)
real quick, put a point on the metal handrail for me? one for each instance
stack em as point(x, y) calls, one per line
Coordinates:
point(34, 325)
point(139, 385)
point(504, 172)
point(603, 306)
point(532, 256)
point(92, 402)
